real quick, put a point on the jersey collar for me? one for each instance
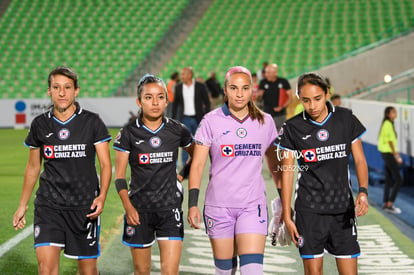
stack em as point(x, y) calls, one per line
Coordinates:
point(227, 112)
point(331, 109)
point(139, 123)
point(78, 111)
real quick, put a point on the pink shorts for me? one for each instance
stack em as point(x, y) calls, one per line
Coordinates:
point(223, 222)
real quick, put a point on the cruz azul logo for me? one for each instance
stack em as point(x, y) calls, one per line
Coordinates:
point(241, 149)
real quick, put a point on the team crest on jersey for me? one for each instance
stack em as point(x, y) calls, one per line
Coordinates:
point(130, 231)
point(36, 231)
point(227, 150)
point(241, 133)
point(309, 155)
point(144, 158)
point(48, 151)
point(155, 142)
point(63, 134)
point(322, 135)
point(301, 241)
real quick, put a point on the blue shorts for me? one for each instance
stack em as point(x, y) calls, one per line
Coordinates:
point(69, 229)
point(224, 222)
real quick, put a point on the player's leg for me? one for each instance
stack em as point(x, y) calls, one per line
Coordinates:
point(141, 258)
point(347, 266)
point(251, 232)
point(170, 251)
point(140, 239)
point(88, 267)
point(314, 232)
point(343, 243)
point(313, 266)
point(48, 259)
point(220, 225)
point(49, 238)
point(225, 258)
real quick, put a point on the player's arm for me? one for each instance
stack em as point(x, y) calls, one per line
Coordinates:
point(288, 162)
point(185, 171)
point(361, 203)
point(31, 175)
point(102, 151)
point(199, 160)
point(273, 164)
point(121, 163)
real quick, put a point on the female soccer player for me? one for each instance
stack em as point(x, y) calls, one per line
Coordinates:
point(236, 137)
point(322, 138)
point(153, 205)
point(388, 147)
point(70, 196)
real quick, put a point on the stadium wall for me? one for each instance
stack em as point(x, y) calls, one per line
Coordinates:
point(19, 113)
point(371, 113)
point(368, 66)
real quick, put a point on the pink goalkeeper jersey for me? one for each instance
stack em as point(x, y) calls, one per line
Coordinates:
point(237, 148)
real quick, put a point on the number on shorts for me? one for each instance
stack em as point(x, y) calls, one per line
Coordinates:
point(92, 230)
point(177, 214)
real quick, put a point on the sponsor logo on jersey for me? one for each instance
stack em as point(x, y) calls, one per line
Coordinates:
point(48, 151)
point(309, 155)
point(227, 150)
point(49, 135)
point(322, 135)
point(155, 142)
point(226, 132)
point(64, 134)
point(156, 157)
point(144, 158)
point(241, 133)
point(64, 151)
point(336, 151)
point(306, 137)
point(234, 150)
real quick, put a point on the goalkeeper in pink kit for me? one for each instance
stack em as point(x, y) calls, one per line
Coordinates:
point(236, 137)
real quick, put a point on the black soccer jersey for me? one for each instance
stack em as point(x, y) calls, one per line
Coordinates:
point(69, 178)
point(322, 150)
point(152, 158)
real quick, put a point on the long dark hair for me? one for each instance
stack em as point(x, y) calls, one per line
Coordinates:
point(387, 112)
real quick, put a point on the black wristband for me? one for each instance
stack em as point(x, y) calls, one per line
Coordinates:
point(363, 190)
point(121, 184)
point(193, 197)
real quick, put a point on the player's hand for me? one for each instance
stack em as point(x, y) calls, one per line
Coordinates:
point(132, 216)
point(18, 219)
point(96, 207)
point(361, 205)
point(293, 231)
point(194, 217)
point(278, 109)
point(180, 178)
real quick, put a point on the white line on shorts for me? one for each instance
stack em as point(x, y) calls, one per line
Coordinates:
point(4, 248)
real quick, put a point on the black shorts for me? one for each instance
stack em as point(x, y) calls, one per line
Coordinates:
point(69, 229)
point(165, 225)
point(336, 234)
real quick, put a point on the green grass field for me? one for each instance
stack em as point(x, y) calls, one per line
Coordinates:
point(385, 249)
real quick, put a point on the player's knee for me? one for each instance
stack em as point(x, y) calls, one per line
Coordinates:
point(47, 268)
point(142, 269)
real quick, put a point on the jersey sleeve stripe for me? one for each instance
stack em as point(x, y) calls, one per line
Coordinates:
point(103, 140)
point(358, 137)
point(120, 149)
point(30, 146)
